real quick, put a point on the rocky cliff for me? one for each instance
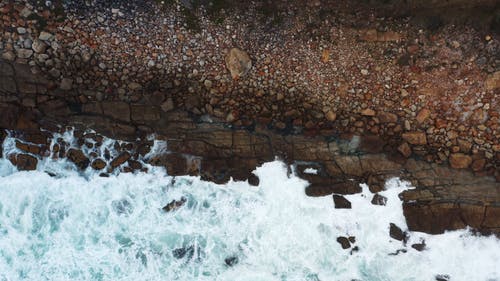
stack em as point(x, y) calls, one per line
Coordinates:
point(32, 108)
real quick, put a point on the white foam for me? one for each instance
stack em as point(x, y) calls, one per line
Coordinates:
point(69, 228)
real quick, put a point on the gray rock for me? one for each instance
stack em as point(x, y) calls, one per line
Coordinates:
point(167, 105)
point(55, 73)
point(45, 36)
point(27, 43)
point(39, 46)
point(66, 84)
point(24, 53)
point(21, 30)
point(9, 56)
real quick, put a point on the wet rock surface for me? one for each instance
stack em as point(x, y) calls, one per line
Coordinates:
point(395, 115)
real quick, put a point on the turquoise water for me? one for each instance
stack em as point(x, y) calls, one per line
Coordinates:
point(85, 227)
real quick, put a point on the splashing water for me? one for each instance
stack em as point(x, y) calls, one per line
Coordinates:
point(85, 227)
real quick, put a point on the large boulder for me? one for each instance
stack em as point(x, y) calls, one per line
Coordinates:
point(238, 63)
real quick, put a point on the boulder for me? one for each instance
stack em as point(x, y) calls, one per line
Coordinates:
point(77, 157)
point(24, 162)
point(120, 159)
point(405, 149)
point(460, 161)
point(379, 200)
point(98, 164)
point(396, 233)
point(253, 180)
point(415, 138)
point(174, 205)
point(344, 242)
point(341, 202)
point(238, 63)
point(493, 81)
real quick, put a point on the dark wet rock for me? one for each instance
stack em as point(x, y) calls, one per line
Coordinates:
point(344, 242)
point(396, 233)
point(52, 175)
point(104, 175)
point(231, 261)
point(354, 250)
point(352, 239)
point(253, 180)
point(98, 164)
point(26, 147)
point(78, 157)
point(398, 252)
point(324, 189)
point(341, 202)
point(120, 159)
point(419, 246)
point(134, 165)
point(24, 162)
point(175, 163)
point(188, 252)
point(443, 277)
point(174, 205)
point(379, 199)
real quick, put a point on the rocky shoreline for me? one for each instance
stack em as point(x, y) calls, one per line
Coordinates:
point(359, 101)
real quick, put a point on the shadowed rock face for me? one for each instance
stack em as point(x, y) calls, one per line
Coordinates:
point(444, 199)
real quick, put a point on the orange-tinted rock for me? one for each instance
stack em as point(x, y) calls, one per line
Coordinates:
point(24, 162)
point(415, 138)
point(120, 159)
point(98, 164)
point(493, 81)
point(460, 161)
point(77, 157)
point(423, 115)
point(405, 149)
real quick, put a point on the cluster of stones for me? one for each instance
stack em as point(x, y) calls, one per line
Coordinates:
point(434, 94)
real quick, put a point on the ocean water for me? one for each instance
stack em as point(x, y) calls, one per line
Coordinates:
point(79, 226)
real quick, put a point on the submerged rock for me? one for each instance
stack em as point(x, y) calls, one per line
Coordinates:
point(419, 246)
point(231, 261)
point(443, 277)
point(174, 205)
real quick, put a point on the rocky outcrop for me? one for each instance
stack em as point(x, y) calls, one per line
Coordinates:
point(444, 198)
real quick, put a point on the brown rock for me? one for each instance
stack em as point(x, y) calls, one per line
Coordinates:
point(478, 164)
point(387, 117)
point(493, 81)
point(341, 202)
point(415, 138)
point(238, 63)
point(405, 149)
point(344, 242)
point(30, 148)
point(331, 116)
point(379, 200)
point(423, 115)
point(368, 112)
point(460, 161)
point(98, 164)
point(398, 234)
point(120, 159)
point(77, 157)
point(24, 162)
